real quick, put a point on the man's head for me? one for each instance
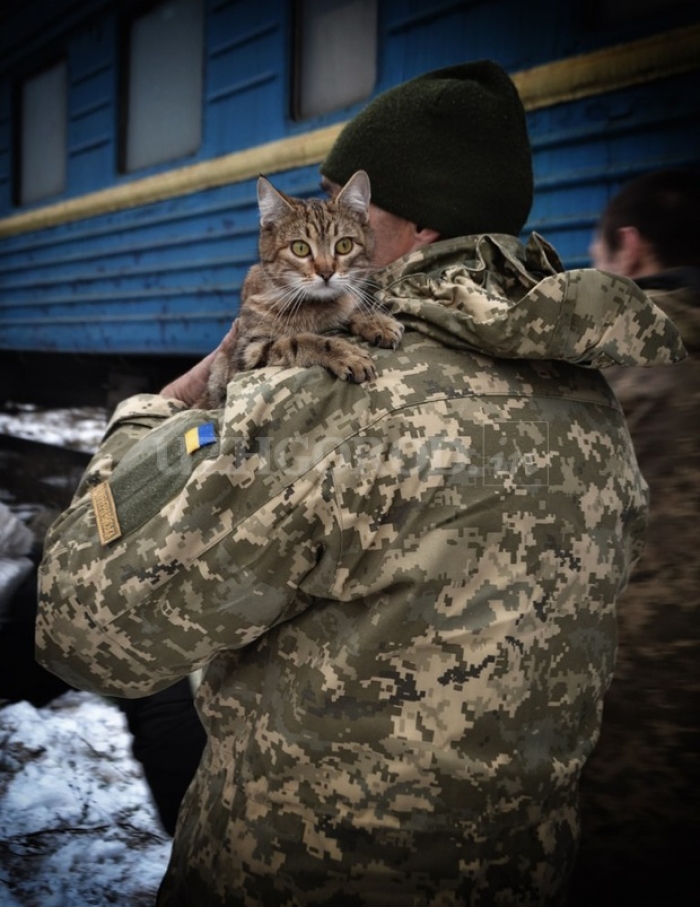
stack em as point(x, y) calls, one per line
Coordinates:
point(652, 224)
point(447, 150)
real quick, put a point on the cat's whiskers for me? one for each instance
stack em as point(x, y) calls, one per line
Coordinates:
point(284, 306)
point(282, 300)
point(366, 300)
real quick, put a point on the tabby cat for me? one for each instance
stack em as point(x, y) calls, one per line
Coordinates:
point(311, 278)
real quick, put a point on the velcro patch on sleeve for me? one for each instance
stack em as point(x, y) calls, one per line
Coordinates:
point(199, 436)
point(105, 511)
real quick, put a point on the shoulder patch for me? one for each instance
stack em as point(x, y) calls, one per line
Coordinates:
point(105, 511)
point(199, 436)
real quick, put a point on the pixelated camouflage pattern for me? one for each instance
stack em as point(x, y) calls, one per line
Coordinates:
point(534, 309)
point(640, 796)
point(402, 591)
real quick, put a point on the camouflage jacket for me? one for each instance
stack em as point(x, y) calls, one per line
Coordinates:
point(402, 591)
point(640, 795)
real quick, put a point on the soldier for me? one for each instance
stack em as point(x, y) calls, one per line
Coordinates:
point(401, 592)
point(640, 795)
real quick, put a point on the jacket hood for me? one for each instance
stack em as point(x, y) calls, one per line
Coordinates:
point(492, 294)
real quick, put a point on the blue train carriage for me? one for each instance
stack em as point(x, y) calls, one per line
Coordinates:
point(132, 134)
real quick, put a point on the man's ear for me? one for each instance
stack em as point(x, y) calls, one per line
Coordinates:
point(423, 236)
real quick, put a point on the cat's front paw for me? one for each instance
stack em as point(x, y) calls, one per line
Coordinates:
point(353, 365)
point(381, 330)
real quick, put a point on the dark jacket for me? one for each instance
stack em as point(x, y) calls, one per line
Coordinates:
point(640, 795)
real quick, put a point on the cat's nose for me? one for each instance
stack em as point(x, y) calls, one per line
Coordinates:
point(326, 273)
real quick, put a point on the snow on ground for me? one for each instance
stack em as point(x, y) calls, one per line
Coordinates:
point(77, 428)
point(77, 826)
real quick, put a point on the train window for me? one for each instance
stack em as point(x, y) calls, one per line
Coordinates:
point(335, 54)
point(42, 135)
point(163, 116)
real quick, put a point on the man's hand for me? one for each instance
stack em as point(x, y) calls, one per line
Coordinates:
point(189, 387)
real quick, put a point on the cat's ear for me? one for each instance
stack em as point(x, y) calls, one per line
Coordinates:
point(356, 194)
point(272, 203)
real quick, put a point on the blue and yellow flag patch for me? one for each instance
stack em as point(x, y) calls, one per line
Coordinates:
point(200, 436)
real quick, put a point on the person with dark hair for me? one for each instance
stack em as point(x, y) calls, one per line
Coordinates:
point(651, 226)
point(402, 591)
point(640, 795)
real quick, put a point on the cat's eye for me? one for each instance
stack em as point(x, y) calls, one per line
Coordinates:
point(344, 245)
point(300, 248)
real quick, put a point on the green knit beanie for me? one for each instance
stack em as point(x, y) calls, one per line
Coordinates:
point(447, 150)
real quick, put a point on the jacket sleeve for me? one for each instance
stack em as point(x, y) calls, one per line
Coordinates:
point(183, 540)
